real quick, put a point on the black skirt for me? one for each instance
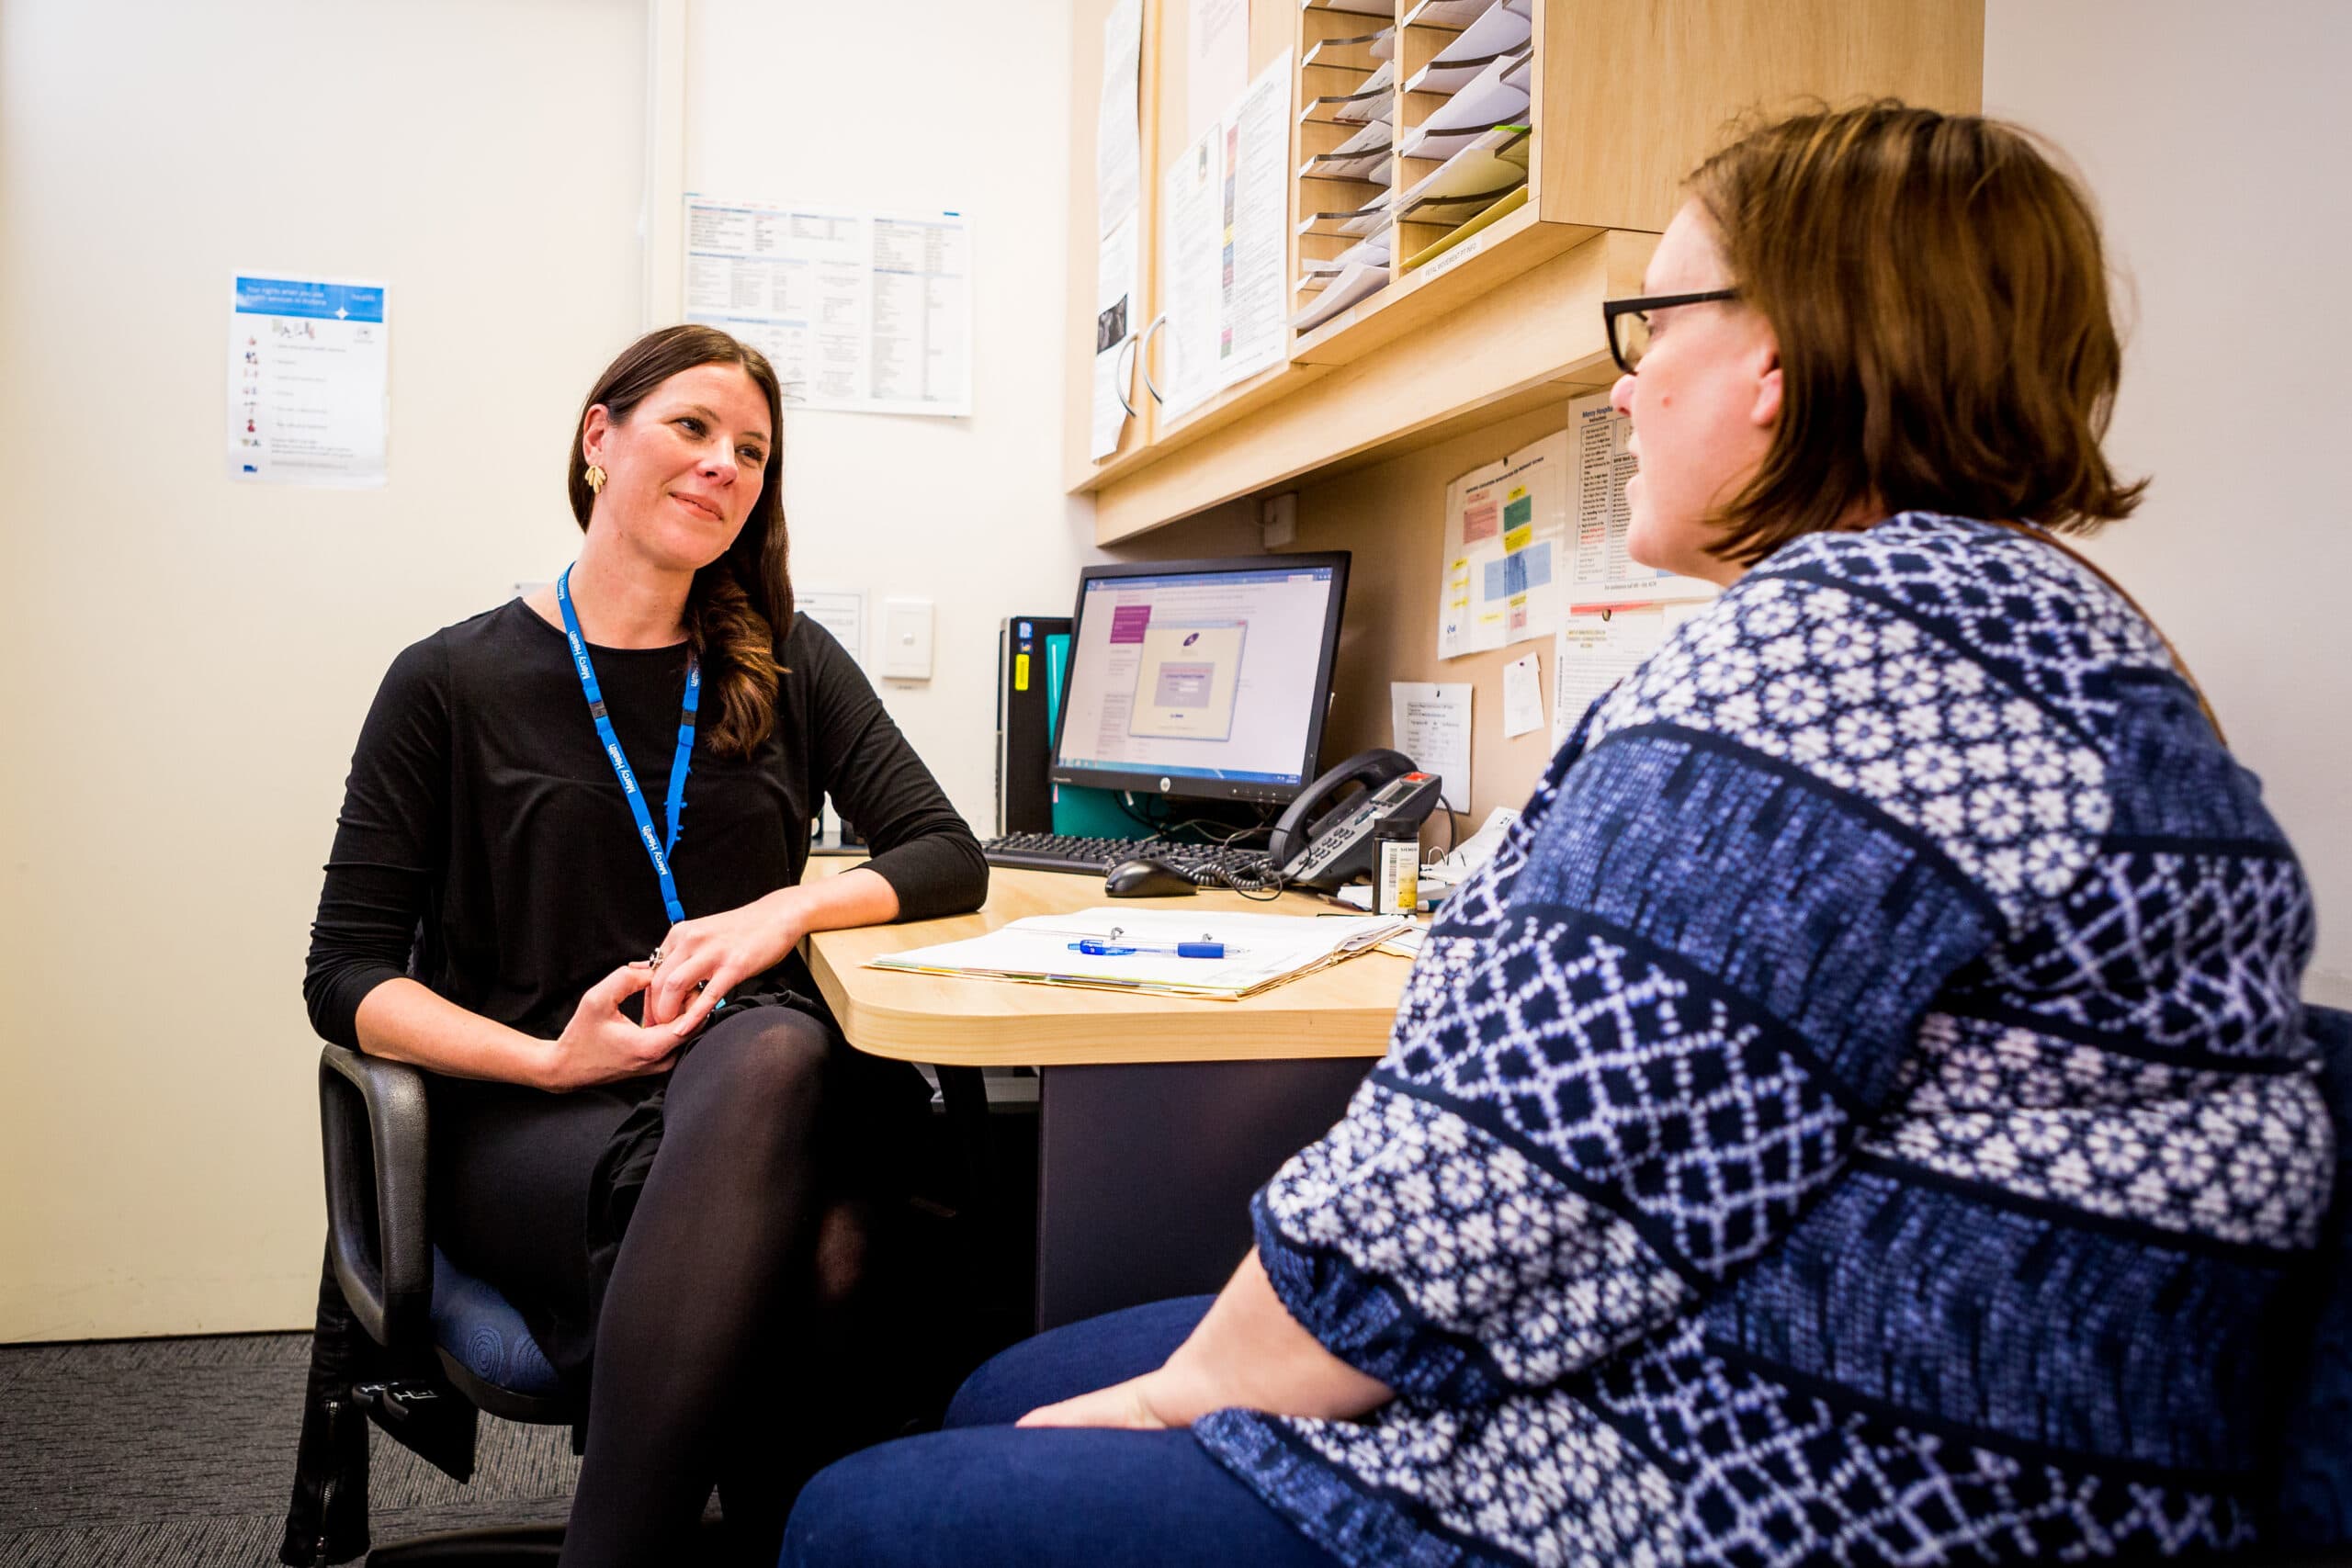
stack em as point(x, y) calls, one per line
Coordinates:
point(533, 1193)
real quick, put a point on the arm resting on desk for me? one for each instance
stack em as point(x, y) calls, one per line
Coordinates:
point(1249, 1352)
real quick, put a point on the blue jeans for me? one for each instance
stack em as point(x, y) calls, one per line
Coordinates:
point(983, 1493)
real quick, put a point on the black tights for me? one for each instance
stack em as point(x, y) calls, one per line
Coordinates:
point(722, 1316)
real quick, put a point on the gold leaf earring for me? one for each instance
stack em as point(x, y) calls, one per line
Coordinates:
point(595, 476)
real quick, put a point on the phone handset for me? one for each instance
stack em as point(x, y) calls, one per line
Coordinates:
point(1326, 836)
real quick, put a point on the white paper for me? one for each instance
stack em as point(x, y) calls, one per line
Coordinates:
point(1487, 170)
point(1506, 543)
point(1430, 721)
point(841, 613)
point(310, 383)
point(1257, 212)
point(1192, 267)
point(860, 313)
point(1499, 29)
point(1356, 281)
point(1591, 653)
point(1677, 614)
point(1599, 571)
point(1522, 695)
point(1260, 949)
point(1216, 65)
point(1487, 100)
point(1118, 136)
point(1115, 327)
point(1445, 13)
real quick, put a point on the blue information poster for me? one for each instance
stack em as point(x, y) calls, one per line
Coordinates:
point(309, 390)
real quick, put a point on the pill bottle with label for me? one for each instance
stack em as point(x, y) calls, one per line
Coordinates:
point(1397, 885)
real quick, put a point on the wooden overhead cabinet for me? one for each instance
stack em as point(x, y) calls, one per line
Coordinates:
point(1483, 298)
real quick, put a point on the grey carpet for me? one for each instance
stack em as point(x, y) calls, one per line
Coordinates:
point(180, 1452)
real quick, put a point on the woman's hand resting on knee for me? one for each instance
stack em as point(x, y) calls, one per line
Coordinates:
point(1249, 1351)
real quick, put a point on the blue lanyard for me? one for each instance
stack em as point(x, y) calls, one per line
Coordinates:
point(657, 850)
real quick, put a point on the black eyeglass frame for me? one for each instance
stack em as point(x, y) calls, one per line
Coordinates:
point(1610, 310)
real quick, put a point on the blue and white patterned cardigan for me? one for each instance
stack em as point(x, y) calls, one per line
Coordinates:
point(1861, 1115)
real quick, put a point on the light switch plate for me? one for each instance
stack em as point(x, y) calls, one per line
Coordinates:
point(906, 639)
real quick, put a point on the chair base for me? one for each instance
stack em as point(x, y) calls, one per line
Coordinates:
point(509, 1545)
point(505, 1546)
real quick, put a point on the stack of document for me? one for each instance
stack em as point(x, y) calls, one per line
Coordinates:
point(1361, 163)
point(1365, 102)
point(1490, 29)
point(1220, 957)
point(1486, 71)
point(1331, 286)
point(1484, 172)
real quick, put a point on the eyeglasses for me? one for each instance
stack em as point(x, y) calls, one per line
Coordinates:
point(1627, 321)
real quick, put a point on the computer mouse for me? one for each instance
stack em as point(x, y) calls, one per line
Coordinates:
point(1146, 879)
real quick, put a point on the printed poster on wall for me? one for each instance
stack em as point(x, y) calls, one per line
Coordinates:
point(1598, 571)
point(1506, 537)
point(310, 383)
point(860, 313)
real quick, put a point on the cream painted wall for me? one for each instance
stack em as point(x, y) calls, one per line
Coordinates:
point(784, 104)
point(186, 660)
point(2212, 137)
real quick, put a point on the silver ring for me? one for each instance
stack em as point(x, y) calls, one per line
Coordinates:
point(654, 960)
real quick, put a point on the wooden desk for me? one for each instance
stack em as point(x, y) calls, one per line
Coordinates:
point(1159, 1116)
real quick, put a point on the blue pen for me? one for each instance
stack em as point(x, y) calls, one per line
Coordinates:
point(1093, 949)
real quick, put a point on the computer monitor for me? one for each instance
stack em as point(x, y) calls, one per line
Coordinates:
point(1202, 679)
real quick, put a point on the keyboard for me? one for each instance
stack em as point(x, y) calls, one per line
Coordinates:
point(1060, 852)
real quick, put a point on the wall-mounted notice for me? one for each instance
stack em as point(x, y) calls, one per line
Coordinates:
point(839, 612)
point(1505, 544)
point(1224, 248)
point(1599, 571)
point(860, 313)
point(1590, 653)
point(1251, 317)
point(1430, 722)
point(1118, 196)
point(310, 387)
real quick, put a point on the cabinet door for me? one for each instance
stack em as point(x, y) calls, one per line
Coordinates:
point(1090, 17)
point(1181, 115)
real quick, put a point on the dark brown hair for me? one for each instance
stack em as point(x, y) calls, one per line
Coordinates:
point(738, 601)
point(1939, 297)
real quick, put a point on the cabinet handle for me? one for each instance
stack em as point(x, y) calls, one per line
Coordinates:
point(1122, 376)
point(1143, 356)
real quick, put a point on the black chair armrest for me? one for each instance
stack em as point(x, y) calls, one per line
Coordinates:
point(372, 1127)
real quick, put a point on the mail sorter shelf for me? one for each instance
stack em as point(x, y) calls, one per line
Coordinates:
point(1414, 140)
point(1605, 106)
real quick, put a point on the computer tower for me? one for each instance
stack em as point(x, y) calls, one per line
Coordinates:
point(1032, 652)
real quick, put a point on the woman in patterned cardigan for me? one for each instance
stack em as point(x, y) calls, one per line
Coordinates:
point(1861, 1114)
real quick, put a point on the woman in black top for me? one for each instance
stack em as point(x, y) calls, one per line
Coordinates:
point(637, 1108)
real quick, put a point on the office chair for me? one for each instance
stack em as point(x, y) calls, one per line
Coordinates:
point(457, 1338)
point(453, 1335)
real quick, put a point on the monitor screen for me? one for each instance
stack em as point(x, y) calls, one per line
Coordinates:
point(1204, 679)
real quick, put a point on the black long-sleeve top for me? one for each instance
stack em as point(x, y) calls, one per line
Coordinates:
point(485, 839)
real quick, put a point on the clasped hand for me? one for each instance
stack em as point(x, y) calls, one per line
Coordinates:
point(702, 960)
